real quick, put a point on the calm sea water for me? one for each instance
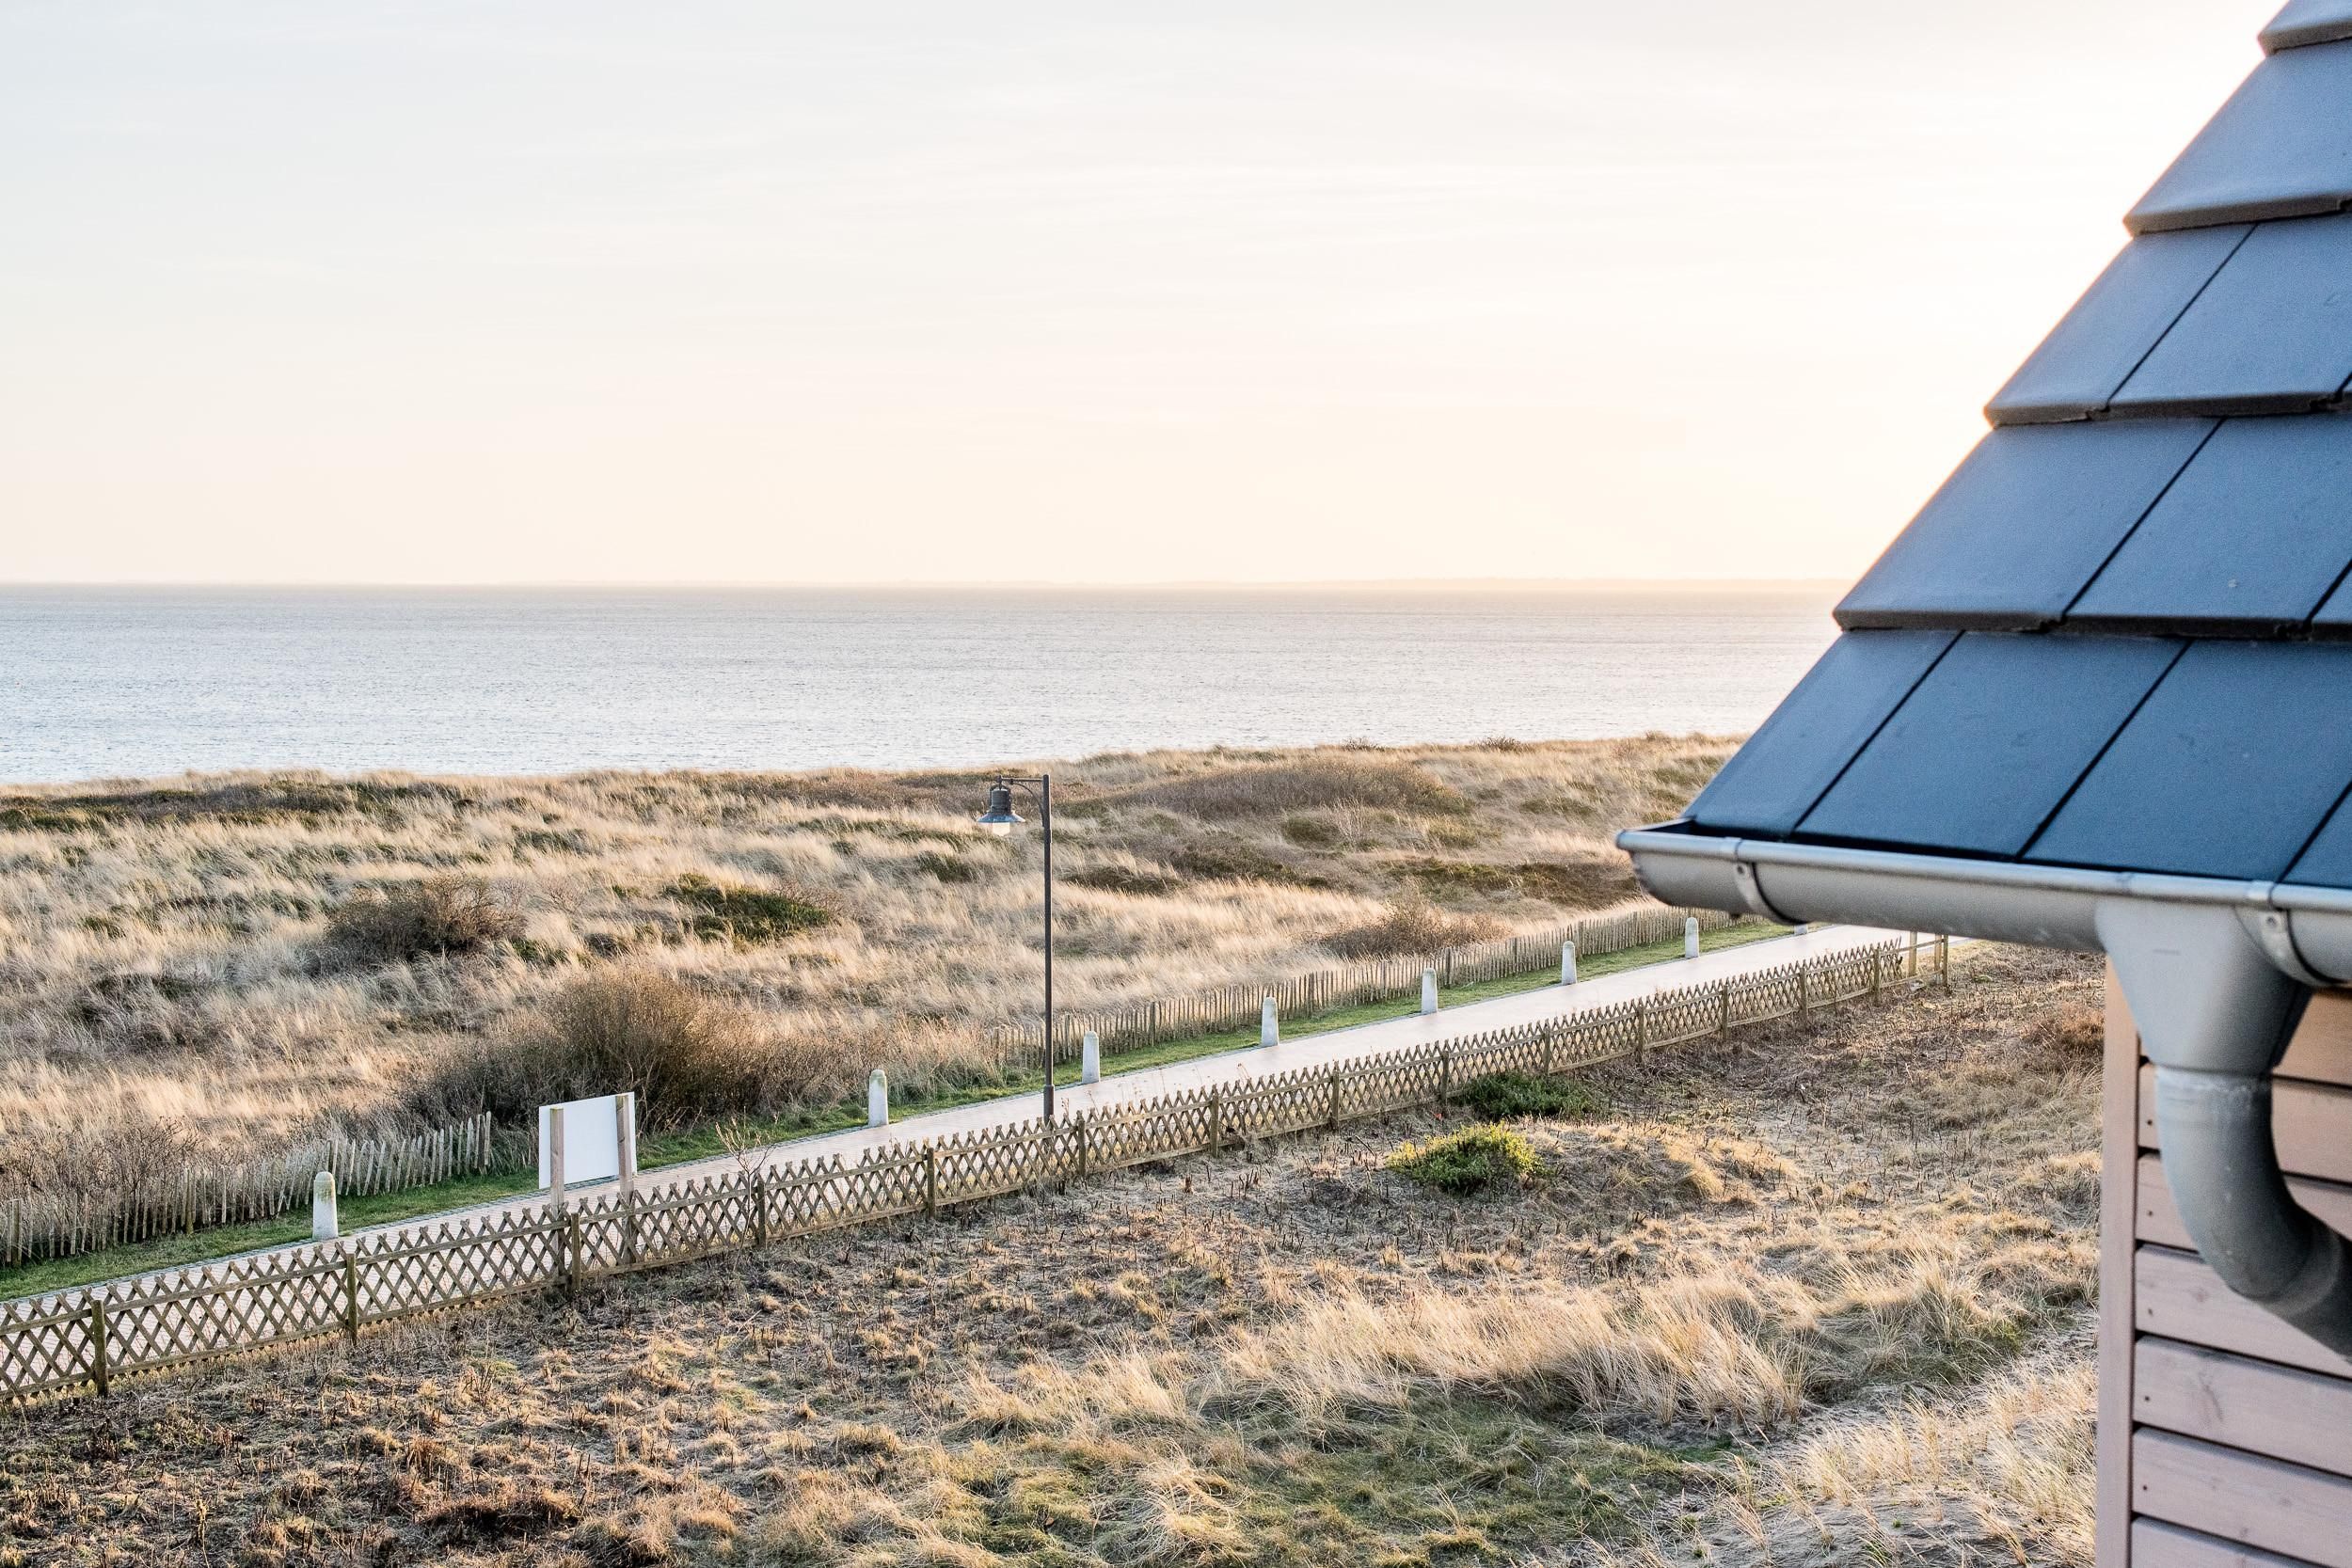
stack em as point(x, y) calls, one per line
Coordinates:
point(109, 683)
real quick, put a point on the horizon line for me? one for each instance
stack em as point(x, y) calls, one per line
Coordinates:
point(1615, 584)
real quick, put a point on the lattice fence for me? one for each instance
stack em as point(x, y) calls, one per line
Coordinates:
point(86, 1340)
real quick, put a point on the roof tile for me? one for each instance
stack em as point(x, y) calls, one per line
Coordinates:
point(2098, 343)
point(2327, 861)
point(2022, 525)
point(2271, 333)
point(2247, 542)
point(2281, 147)
point(2304, 23)
point(2222, 772)
point(1785, 767)
point(1988, 745)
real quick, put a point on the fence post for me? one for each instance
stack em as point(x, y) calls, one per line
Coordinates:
point(931, 1179)
point(571, 1250)
point(1445, 1075)
point(1335, 1096)
point(1641, 1028)
point(1911, 955)
point(1877, 958)
point(1805, 988)
point(1723, 1009)
point(1217, 1119)
point(555, 1159)
point(1943, 960)
point(351, 1296)
point(98, 1344)
point(759, 1195)
point(1551, 1036)
point(1079, 1127)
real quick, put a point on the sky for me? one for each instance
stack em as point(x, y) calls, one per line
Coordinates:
point(561, 290)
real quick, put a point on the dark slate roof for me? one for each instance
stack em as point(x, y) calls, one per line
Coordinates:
point(2119, 635)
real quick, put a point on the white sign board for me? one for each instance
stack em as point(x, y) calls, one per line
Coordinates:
point(592, 1141)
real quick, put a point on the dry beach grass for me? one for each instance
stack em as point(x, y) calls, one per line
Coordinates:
point(221, 962)
point(1818, 1296)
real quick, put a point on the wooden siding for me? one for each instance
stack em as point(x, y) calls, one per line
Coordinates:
point(2225, 1438)
point(2160, 1222)
point(2161, 1545)
point(2244, 1498)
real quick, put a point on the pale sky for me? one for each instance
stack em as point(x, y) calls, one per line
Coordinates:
point(558, 291)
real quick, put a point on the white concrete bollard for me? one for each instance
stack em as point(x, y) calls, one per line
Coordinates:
point(877, 1098)
point(1091, 1058)
point(1269, 1027)
point(323, 1223)
point(1428, 990)
point(1568, 963)
point(1690, 936)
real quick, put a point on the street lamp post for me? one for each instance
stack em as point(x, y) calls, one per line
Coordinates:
point(1000, 819)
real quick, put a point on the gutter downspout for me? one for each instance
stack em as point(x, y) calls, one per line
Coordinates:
point(2217, 975)
point(2215, 1016)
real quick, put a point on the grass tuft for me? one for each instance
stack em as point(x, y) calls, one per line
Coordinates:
point(746, 916)
point(439, 917)
point(1506, 1095)
point(1472, 1161)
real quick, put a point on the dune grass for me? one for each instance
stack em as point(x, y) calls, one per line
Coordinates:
point(241, 959)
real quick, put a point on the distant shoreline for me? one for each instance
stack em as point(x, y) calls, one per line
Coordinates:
point(1694, 586)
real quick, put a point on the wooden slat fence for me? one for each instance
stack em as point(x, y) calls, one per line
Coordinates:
point(36, 1226)
point(1236, 1007)
point(83, 1340)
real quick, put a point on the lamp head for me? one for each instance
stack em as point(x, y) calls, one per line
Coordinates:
point(999, 818)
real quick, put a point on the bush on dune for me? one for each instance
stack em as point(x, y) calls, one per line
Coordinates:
point(438, 917)
point(688, 1058)
point(1413, 929)
point(1470, 1161)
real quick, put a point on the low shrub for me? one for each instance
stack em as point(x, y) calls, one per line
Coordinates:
point(1470, 1161)
point(1230, 858)
point(438, 917)
point(744, 915)
point(946, 867)
point(1412, 928)
point(687, 1056)
point(2071, 1034)
point(1506, 1095)
point(1312, 832)
point(1124, 879)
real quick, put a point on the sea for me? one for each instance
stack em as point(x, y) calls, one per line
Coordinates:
point(114, 683)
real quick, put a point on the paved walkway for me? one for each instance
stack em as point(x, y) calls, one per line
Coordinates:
point(1549, 1002)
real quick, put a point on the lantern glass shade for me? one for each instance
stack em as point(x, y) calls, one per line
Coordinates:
point(999, 818)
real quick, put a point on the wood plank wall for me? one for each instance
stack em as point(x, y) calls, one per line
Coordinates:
point(2225, 1438)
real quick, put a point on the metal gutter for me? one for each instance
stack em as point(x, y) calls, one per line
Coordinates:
point(2305, 931)
point(2218, 972)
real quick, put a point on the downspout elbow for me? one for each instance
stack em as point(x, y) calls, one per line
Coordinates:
point(2214, 1015)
